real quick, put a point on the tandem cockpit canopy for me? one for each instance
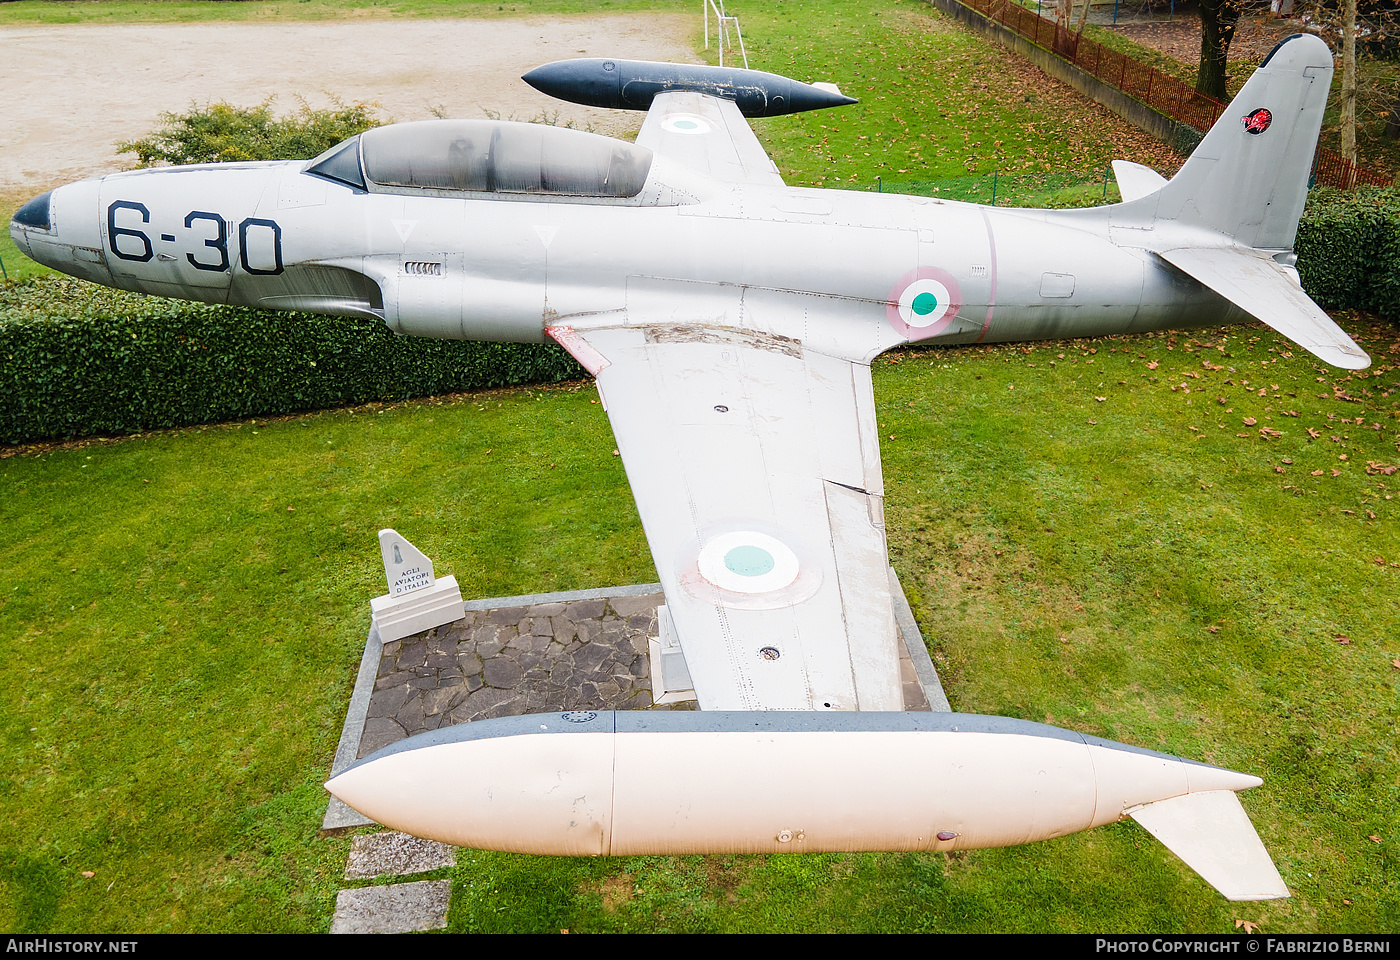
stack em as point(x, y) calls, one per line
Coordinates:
point(486, 156)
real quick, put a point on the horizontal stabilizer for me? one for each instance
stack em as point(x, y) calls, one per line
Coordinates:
point(1211, 832)
point(1136, 180)
point(1270, 292)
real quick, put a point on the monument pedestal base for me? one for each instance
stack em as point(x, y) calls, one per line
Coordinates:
point(419, 610)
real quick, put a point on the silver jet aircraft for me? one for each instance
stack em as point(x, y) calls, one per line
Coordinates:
point(730, 321)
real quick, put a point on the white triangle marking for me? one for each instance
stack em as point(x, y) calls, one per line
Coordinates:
point(546, 235)
point(404, 228)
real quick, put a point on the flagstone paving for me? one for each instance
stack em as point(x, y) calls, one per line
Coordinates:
point(394, 854)
point(400, 908)
point(507, 661)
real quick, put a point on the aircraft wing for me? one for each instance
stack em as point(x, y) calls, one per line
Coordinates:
point(756, 469)
point(708, 135)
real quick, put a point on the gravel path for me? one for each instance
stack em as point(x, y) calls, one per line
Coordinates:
point(73, 92)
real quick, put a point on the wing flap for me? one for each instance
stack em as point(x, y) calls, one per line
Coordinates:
point(1270, 292)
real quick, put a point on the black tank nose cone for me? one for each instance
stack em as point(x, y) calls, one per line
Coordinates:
point(35, 213)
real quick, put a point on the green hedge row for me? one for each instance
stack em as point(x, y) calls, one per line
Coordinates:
point(78, 359)
point(1349, 250)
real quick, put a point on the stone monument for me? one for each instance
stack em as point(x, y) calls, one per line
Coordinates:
point(416, 601)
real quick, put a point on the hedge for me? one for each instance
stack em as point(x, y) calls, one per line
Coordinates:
point(78, 359)
point(1349, 250)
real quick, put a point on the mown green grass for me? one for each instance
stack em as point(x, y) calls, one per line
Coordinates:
point(184, 611)
point(186, 643)
point(183, 617)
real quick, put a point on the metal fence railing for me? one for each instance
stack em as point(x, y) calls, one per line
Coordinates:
point(1165, 94)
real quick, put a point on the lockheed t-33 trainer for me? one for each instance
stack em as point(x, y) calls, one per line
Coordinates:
point(730, 321)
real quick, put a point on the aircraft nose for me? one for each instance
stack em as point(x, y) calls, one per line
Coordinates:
point(36, 213)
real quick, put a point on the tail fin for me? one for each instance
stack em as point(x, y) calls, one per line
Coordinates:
point(1249, 176)
point(1230, 215)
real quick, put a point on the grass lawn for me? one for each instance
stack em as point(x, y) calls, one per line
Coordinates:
point(184, 611)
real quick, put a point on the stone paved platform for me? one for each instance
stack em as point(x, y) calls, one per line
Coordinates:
point(537, 654)
point(532, 658)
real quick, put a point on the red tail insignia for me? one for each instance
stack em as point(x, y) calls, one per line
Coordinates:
point(1258, 121)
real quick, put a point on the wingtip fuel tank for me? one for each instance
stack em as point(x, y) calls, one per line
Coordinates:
point(633, 84)
point(643, 782)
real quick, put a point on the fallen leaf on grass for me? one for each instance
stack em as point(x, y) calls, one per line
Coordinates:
point(1374, 839)
point(1101, 399)
point(89, 874)
point(1152, 365)
point(1213, 629)
point(1375, 467)
point(1249, 925)
point(1317, 473)
point(1336, 472)
point(1279, 470)
point(1343, 639)
point(1313, 433)
point(1269, 433)
point(1395, 664)
point(1250, 421)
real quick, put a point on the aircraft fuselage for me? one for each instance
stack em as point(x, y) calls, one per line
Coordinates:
point(505, 266)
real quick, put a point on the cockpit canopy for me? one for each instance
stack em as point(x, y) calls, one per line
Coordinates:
point(487, 156)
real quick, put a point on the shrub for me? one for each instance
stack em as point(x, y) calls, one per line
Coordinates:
point(221, 132)
point(78, 359)
point(1349, 249)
